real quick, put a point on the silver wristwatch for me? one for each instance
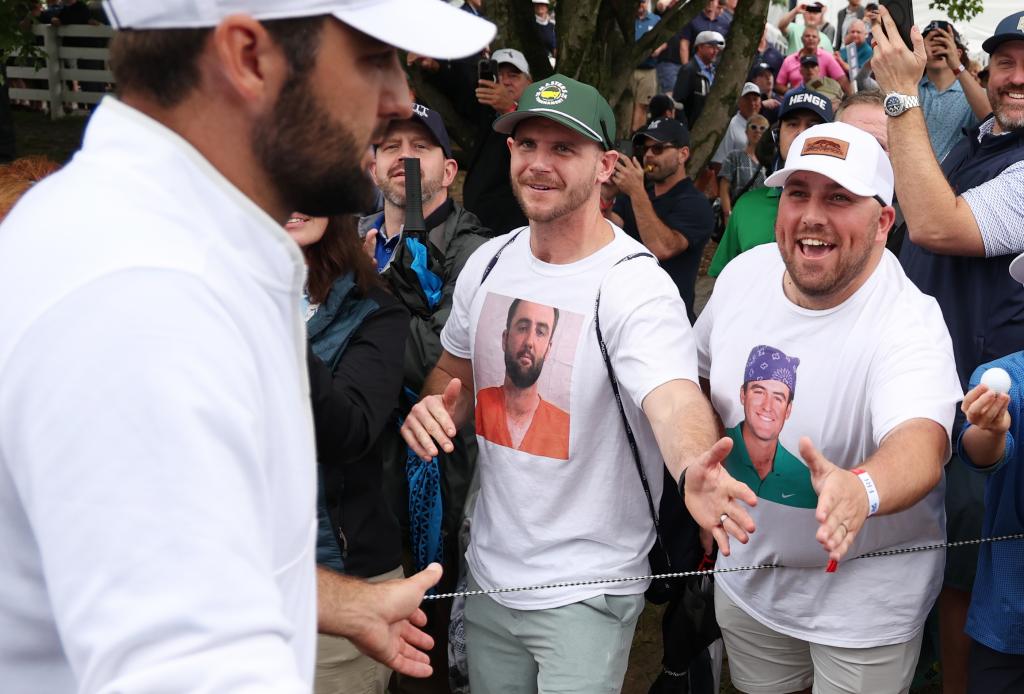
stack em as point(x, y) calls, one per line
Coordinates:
point(897, 104)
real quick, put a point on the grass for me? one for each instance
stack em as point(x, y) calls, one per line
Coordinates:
point(36, 134)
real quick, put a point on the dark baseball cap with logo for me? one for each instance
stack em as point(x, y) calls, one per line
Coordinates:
point(664, 130)
point(576, 105)
point(809, 60)
point(804, 99)
point(1009, 29)
point(435, 124)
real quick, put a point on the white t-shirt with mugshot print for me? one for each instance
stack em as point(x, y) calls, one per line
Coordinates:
point(570, 506)
point(879, 359)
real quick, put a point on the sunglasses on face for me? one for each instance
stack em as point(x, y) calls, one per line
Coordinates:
point(658, 148)
point(757, 128)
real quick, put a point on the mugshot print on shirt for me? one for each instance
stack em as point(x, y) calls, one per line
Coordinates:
point(523, 374)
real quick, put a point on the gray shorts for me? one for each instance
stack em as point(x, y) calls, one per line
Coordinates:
point(763, 661)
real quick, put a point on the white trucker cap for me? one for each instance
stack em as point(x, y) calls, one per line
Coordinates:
point(849, 156)
point(427, 27)
point(512, 57)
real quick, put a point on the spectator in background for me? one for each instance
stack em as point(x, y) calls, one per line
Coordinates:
point(789, 75)
point(736, 134)
point(487, 191)
point(728, 8)
point(856, 53)
point(696, 77)
point(768, 53)
point(546, 27)
point(356, 331)
point(741, 171)
point(709, 19)
point(645, 81)
point(846, 16)
point(951, 98)
point(660, 206)
point(668, 61)
point(964, 221)
point(662, 106)
point(812, 15)
point(811, 75)
point(761, 75)
point(752, 222)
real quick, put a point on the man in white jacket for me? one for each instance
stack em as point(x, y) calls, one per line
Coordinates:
point(157, 463)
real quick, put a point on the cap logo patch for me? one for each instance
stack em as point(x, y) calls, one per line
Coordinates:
point(1020, 24)
point(826, 146)
point(420, 110)
point(654, 124)
point(552, 93)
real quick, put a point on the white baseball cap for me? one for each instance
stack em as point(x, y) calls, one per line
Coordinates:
point(709, 37)
point(427, 27)
point(849, 156)
point(512, 57)
point(750, 88)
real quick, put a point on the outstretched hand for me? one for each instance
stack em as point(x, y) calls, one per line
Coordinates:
point(842, 501)
point(711, 493)
point(392, 633)
point(987, 409)
point(431, 422)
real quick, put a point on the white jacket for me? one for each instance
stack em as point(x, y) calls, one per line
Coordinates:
point(157, 463)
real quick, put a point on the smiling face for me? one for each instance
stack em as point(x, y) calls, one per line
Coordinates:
point(555, 170)
point(410, 138)
point(829, 238)
point(305, 230)
point(766, 407)
point(1006, 85)
point(526, 341)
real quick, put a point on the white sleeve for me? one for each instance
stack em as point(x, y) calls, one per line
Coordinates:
point(702, 335)
point(137, 450)
point(914, 374)
point(645, 326)
point(998, 207)
point(455, 336)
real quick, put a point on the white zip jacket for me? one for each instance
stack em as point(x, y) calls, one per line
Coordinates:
point(157, 464)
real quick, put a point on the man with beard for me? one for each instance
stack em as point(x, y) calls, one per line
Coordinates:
point(660, 205)
point(867, 340)
point(543, 518)
point(158, 479)
point(964, 226)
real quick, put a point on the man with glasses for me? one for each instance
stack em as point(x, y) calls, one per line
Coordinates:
point(711, 18)
point(696, 77)
point(665, 212)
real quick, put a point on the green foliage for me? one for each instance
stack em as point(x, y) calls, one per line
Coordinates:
point(958, 10)
point(16, 37)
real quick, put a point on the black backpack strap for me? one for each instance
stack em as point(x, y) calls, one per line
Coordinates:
point(634, 449)
point(494, 261)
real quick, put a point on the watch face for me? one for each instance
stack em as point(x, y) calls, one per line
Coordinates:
point(893, 105)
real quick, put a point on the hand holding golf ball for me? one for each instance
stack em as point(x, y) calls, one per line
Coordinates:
point(986, 405)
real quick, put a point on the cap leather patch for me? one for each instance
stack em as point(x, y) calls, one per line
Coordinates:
point(826, 146)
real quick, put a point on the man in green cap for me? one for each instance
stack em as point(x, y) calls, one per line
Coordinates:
point(565, 504)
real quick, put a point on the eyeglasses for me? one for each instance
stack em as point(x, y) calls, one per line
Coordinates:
point(757, 128)
point(658, 148)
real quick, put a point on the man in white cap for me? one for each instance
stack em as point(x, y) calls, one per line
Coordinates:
point(157, 477)
point(736, 134)
point(696, 77)
point(872, 427)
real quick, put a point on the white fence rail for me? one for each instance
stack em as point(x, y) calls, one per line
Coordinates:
point(61, 69)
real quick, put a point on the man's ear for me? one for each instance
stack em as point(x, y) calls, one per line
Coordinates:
point(451, 167)
point(886, 218)
point(684, 155)
point(606, 165)
point(248, 62)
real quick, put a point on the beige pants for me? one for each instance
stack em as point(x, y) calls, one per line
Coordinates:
point(763, 661)
point(342, 669)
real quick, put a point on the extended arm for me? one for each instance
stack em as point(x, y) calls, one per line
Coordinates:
point(937, 218)
point(984, 441)
point(446, 406)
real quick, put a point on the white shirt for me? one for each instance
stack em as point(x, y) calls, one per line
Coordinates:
point(157, 464)
point(541, 517)
point(881, 358)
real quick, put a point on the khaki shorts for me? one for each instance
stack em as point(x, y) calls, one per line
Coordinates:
point(763, 661)
point(644, 85)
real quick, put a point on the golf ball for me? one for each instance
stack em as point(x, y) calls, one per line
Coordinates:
point(997, 379)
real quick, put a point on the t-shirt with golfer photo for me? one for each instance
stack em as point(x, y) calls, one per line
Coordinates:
point(560, 498)
point(855, 372)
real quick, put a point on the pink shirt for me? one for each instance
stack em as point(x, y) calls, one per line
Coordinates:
point(789, 73)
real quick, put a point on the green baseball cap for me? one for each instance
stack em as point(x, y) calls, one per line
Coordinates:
point(575, 105)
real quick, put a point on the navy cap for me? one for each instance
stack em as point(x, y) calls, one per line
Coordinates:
point(664, 130)
point(435, 124)
point(1010, 29)
point(804, 99)
point(809, 60)
point(759, 68)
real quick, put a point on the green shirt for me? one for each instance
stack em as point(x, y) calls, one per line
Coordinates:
point(751, 223)
point(789, 482)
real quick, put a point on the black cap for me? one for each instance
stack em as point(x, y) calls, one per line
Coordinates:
point(664, 130)
point(806, 99)
point(435, 124)
point(1010, 29)
point(661, 103)
point(809, 60)
point(759, 68)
